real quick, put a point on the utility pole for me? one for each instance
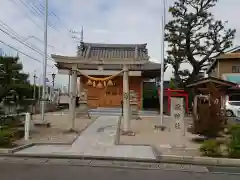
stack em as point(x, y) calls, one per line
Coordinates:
point(44, 60)
point(162, 63)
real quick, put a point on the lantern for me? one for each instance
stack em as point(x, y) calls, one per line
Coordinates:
point(104, 83)
point(89, 82)
point(94, 84)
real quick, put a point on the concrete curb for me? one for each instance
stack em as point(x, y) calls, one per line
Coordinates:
point(204, 161)
point(12, 150)
point(199, 160)
point(79, 157)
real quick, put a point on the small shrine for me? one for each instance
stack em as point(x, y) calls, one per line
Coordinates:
point(209, 105)
point(108, 73)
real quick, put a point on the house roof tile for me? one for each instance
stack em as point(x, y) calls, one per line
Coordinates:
point(111, 51)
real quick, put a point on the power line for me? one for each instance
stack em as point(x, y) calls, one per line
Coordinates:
point(55, 15)
point(36, 38)
point(21, 52)
point(37, 9)
point(51, 13)
point(29, 17)
point(14, 33)
point(10, 30)
point(37, 12)
point(41, 53)
point(41, 11)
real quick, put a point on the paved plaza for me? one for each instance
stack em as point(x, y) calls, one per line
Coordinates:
point(99, 136)
point(167, 142)
point(97, 140)
point(59, 130)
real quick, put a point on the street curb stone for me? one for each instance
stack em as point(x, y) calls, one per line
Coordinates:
point(196, 160)
point(12, 150)
point(160, 159)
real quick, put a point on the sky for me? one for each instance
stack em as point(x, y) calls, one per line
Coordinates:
point(105, 21)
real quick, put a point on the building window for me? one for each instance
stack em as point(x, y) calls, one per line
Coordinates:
point(236, 69)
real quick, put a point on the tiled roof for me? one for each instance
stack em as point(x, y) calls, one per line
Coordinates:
point(229, 56)
point(233, 54)
point(111, 51)
point(234, 50)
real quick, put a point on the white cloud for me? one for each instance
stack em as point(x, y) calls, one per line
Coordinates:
point(118, 21)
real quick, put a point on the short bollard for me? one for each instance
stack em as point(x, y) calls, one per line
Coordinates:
point(27, 126)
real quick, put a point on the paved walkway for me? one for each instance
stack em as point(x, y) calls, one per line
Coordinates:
point(97, 140)
point(117, 112)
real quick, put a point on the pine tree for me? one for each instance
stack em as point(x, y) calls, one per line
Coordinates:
point(194, 37)
point(15, 86)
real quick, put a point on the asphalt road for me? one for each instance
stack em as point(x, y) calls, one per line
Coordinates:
point(60, 170)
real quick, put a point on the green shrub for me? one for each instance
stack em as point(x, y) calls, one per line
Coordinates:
point(234, 142)
point(211, 148)
point(5, 138)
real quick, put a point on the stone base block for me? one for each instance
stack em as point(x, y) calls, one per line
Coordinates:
point(136, 117)
point(71, 131)
point(134, 111)
point(159, 127)
point(83, 115)
point(42, 124)
point(82, 110)
point(127, 133)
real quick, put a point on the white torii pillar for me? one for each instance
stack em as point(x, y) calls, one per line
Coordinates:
point(73, 96)
point(126, 105)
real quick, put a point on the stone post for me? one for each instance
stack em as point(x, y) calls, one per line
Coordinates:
point(27, 126)
point(73, 96)
point(126, 106)
point(177, 114)
point(82, 110)
point(134, 105)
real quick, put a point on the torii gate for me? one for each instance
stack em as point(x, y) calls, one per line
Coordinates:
point(72, 64)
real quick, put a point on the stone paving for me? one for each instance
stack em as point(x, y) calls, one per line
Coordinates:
point(163, 141)
point(97, 140)
point(118, 111)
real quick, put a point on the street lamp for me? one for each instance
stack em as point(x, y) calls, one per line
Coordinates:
point(53, 79)
point(34, 85)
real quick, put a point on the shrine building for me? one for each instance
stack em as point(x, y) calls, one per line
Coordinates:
point(100, 69)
